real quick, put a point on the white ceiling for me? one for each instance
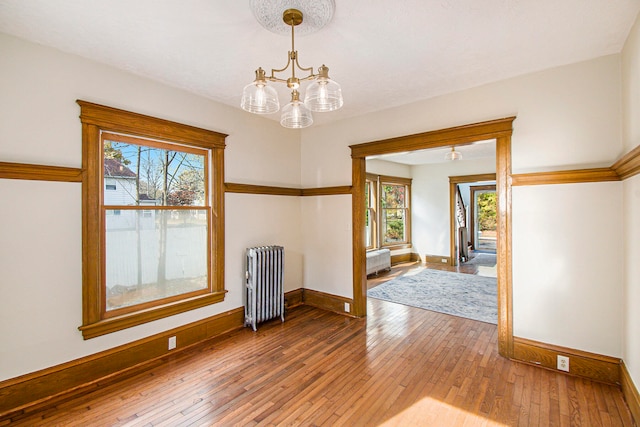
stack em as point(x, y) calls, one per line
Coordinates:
point(383, 53)
point(475, 151)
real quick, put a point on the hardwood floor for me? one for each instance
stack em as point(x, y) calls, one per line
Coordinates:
point(399, 366)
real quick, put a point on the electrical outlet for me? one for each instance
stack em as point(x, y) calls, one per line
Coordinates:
point(172, 343)
point(347, 307)
point(563, 363)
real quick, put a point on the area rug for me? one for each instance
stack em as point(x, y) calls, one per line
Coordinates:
point(483, 259)
point(464, 295)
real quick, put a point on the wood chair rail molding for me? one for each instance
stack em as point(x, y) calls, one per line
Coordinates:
point(39, 172)
point(625, 168)
point(565, 177)
point(231, 187)
point(629, 164)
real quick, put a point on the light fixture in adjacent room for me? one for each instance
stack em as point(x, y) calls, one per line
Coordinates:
point(322, 95)
point(453, 154)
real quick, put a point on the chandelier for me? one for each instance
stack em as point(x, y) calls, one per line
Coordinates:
point(453, 155)
point(322, 95)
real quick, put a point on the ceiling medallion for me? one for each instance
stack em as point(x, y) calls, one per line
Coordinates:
point(317, 14)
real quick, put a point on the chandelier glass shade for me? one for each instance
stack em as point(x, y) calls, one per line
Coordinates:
point(453, 155)
point(295, 115)
point(322, 95)
point(258, 98)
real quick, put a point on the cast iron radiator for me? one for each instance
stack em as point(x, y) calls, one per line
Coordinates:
point(265, 288)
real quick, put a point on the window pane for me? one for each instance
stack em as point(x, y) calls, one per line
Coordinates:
point(367, 197)
point(369, 228)
point(153, 254)
point(149, 175)
point(393, 196)
point(393, 225)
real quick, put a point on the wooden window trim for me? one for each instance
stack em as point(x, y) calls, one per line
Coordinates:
point(96, 119)
point(373, 210)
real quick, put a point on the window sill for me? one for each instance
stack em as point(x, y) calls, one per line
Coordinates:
point(106, 326)
point(396, 246)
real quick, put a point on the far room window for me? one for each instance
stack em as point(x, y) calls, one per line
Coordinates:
point(395, 194)
point(387, 212)
point(154, 247)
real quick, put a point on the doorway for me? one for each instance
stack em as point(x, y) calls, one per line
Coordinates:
point(461, 193)
point(500, 130)
point(483, 218)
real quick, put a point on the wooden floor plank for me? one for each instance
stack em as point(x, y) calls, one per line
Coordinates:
point(399, 366)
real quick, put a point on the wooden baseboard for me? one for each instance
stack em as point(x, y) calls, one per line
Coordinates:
point(327, 302)
point(438, 259)
point(294, 298)
point(581, 364)
point(630, 393)
point(48, 387)
point(62, 382)
point(408, 257)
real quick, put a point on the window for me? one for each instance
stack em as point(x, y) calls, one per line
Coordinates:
point(153, 247)
point(387, 208)
point(393, 203)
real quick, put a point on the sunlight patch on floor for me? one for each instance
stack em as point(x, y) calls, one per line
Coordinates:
point(432, 412)
point(487, 271)
point(414, 271)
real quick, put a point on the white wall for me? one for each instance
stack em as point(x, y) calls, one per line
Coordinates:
point(40, 223)
point(567, 117)
point(383, 167)
point(326, 234)
point(631, 291)
point(631, 137)
point(567, 266)
point(431, 216)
